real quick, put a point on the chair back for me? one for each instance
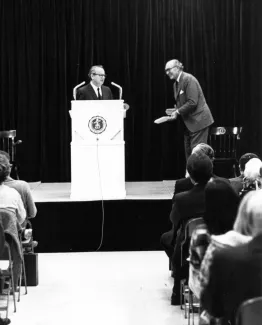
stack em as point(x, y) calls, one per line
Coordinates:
point(7, 142)
point(189, 229)
point(250, 312)
point(192, 224)
point(2, 239)
point(224, 141)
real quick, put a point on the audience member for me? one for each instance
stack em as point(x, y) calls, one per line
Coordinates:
point(23, 189)
point(235, 273)
point(252, 179)
point(10, 199)
point(221, 209)
point(186, 206)
point(185, 184)
point(238, 182)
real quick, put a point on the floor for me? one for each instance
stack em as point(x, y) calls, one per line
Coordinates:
point(97, 288)
point(60, 192)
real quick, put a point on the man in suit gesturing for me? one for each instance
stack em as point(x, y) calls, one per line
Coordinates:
point(190, 105)
point(95, 89)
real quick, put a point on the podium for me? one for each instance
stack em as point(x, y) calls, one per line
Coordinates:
point(97, 150)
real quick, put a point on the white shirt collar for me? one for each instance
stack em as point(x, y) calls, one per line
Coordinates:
point(95, 89)
point(179, 76)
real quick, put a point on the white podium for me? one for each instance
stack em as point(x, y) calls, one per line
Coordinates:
point(97, 150)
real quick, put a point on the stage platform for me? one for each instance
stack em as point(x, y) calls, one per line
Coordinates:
point(131, 224)
point(60, 192)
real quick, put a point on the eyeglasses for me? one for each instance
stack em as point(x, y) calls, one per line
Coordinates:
point(169, 69)
point(100, 75)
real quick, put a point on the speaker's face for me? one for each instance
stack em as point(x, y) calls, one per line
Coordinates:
point(98, 76)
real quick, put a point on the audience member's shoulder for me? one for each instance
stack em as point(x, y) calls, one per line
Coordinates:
point(183, 184)
point(10, 190)
point(15, 183)
point(219, 177)
point(231, 238)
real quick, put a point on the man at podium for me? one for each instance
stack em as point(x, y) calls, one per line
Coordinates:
point(95, 89)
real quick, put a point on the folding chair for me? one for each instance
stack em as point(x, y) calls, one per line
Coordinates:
point(6, 273)
point(225, 142)
point(12, 229)
point(8, 144)
point(250, 312)
point(186, 295)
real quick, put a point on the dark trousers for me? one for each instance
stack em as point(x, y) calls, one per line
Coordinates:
point(191, 139)
point(167, 242)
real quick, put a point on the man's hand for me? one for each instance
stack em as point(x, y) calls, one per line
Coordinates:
point(169, 111)
point(174, 115)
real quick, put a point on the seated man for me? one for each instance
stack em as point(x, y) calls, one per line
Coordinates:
point(185, 184)
point(186, 205)
point(237, 182)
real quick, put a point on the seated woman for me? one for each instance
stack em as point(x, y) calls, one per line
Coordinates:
point(235, 273)
point(252, 178)
point(11, 202)
point(23, 189)
point(10, 199)
point(221, 209)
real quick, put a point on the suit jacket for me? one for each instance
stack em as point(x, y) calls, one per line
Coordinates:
point(87, 93)
point(187, 205)
point(237, 183)
point(235, 275)
point(185, 184)
point(191, 103)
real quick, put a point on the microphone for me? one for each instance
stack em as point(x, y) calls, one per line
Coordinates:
point(77, 86)
point(120, 89)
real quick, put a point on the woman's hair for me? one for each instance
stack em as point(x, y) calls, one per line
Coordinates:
point(204, 148)
point(221, 206)
point(252, 178)
point(249, 217)
point(5, 168)
point(252, 170)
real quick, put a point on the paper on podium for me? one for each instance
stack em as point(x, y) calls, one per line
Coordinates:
point(163, 119)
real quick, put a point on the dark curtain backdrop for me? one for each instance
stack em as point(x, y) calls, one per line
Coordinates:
point(48, 46)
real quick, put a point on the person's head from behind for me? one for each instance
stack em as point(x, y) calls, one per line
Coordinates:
point(252, 169)
point(200, 168)
point(249, 217)
point(5, 168)
point(173, 69)
point(244, 159)
point(205, 149)
point(97, 75)
point(222, 203)
point(6, 154)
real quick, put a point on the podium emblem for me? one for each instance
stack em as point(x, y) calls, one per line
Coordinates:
point(97, 124)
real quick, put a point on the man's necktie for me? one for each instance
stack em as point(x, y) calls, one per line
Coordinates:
point(98, 93)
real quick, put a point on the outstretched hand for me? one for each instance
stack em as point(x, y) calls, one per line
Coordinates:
point(169, 111)
point(174, 115)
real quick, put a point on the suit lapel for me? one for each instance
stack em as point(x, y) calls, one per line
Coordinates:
point(180, 83)
point(92, 92)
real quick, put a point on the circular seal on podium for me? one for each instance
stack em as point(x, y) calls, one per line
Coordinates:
point(97, 124)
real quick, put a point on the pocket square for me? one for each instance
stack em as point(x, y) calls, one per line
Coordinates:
point(181, 92)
